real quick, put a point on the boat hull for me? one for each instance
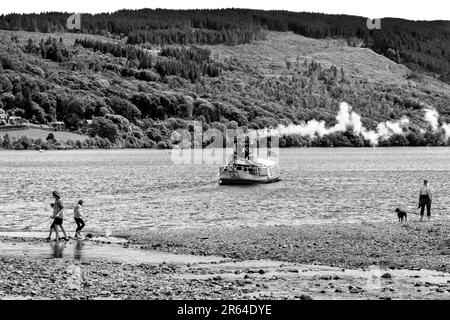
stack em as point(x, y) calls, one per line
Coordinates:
point(227, 181)
point(230, 178)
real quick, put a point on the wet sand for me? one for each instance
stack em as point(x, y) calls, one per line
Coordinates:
point(328, 261)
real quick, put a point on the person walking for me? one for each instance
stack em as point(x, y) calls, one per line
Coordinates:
point(78, 218)
point(58, 216)
point(52, 226)
point(425, 197)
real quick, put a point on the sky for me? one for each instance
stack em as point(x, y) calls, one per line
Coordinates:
point(412, 9)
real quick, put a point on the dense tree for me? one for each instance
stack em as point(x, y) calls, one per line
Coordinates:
point(421, 45)
point(104, 128)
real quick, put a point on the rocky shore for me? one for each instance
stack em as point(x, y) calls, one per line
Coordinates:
point(411, 245)
point(328, 261)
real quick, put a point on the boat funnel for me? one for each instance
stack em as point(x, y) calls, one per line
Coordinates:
point(235, 146)
point(247, 148)
point(257, 147)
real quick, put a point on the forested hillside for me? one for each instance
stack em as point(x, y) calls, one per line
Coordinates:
point(137, 94)
point(420, 45)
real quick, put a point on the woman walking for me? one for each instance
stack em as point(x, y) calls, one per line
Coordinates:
point(58, 216)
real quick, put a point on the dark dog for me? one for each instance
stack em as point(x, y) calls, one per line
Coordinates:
point(401, 214)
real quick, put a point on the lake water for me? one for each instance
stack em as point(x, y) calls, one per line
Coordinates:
point(123, 189)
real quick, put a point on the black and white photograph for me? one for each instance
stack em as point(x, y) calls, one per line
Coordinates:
point(247, 151)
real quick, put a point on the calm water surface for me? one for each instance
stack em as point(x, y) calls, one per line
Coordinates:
point(142, 188)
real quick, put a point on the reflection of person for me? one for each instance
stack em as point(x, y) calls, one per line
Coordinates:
point(57, 250)
point(78, 218)
point(425, 197)
point(78, 250)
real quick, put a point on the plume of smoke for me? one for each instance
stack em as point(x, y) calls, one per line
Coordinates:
point(346, 119)
point(446, 128)
point(432, 117)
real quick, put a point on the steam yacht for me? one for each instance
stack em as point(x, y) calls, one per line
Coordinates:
point(248, 170)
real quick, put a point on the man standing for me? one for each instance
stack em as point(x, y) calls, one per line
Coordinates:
point(425, 197)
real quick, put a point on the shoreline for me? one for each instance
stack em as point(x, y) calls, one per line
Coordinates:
point(284, 148)
point(387, 244)
point(333, 261)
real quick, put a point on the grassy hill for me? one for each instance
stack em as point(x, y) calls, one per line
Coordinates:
point(138, 94)
point(36, 134)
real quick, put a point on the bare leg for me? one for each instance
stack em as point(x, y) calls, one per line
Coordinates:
point(57, 233)
point(64, 231)
point(50, 234)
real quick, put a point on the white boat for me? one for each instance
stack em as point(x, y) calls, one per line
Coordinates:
point(248, 170)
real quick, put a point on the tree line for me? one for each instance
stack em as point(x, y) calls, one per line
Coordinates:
point(190, 63)
point(422, 45)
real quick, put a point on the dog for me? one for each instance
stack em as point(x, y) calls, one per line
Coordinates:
point(401, 214)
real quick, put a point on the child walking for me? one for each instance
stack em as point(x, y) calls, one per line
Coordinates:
point(78, 218)
point(52, 227)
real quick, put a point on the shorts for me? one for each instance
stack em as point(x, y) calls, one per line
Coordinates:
point(57, 222)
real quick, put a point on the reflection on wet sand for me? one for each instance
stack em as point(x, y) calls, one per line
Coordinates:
point(78, 250)
point(57, 249)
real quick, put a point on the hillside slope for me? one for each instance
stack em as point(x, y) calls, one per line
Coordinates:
point(278, 47)
point(421, 45)
point(138, 96)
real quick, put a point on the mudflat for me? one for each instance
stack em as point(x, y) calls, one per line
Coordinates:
point(327, 261)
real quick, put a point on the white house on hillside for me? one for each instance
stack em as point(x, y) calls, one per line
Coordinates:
point(3, 117)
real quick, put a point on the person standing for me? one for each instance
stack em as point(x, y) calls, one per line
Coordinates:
point(425, 197)
point(78, 218)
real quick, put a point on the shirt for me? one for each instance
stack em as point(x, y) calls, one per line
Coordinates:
point(59, 207)
point(426, 190)
point(77, 211)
